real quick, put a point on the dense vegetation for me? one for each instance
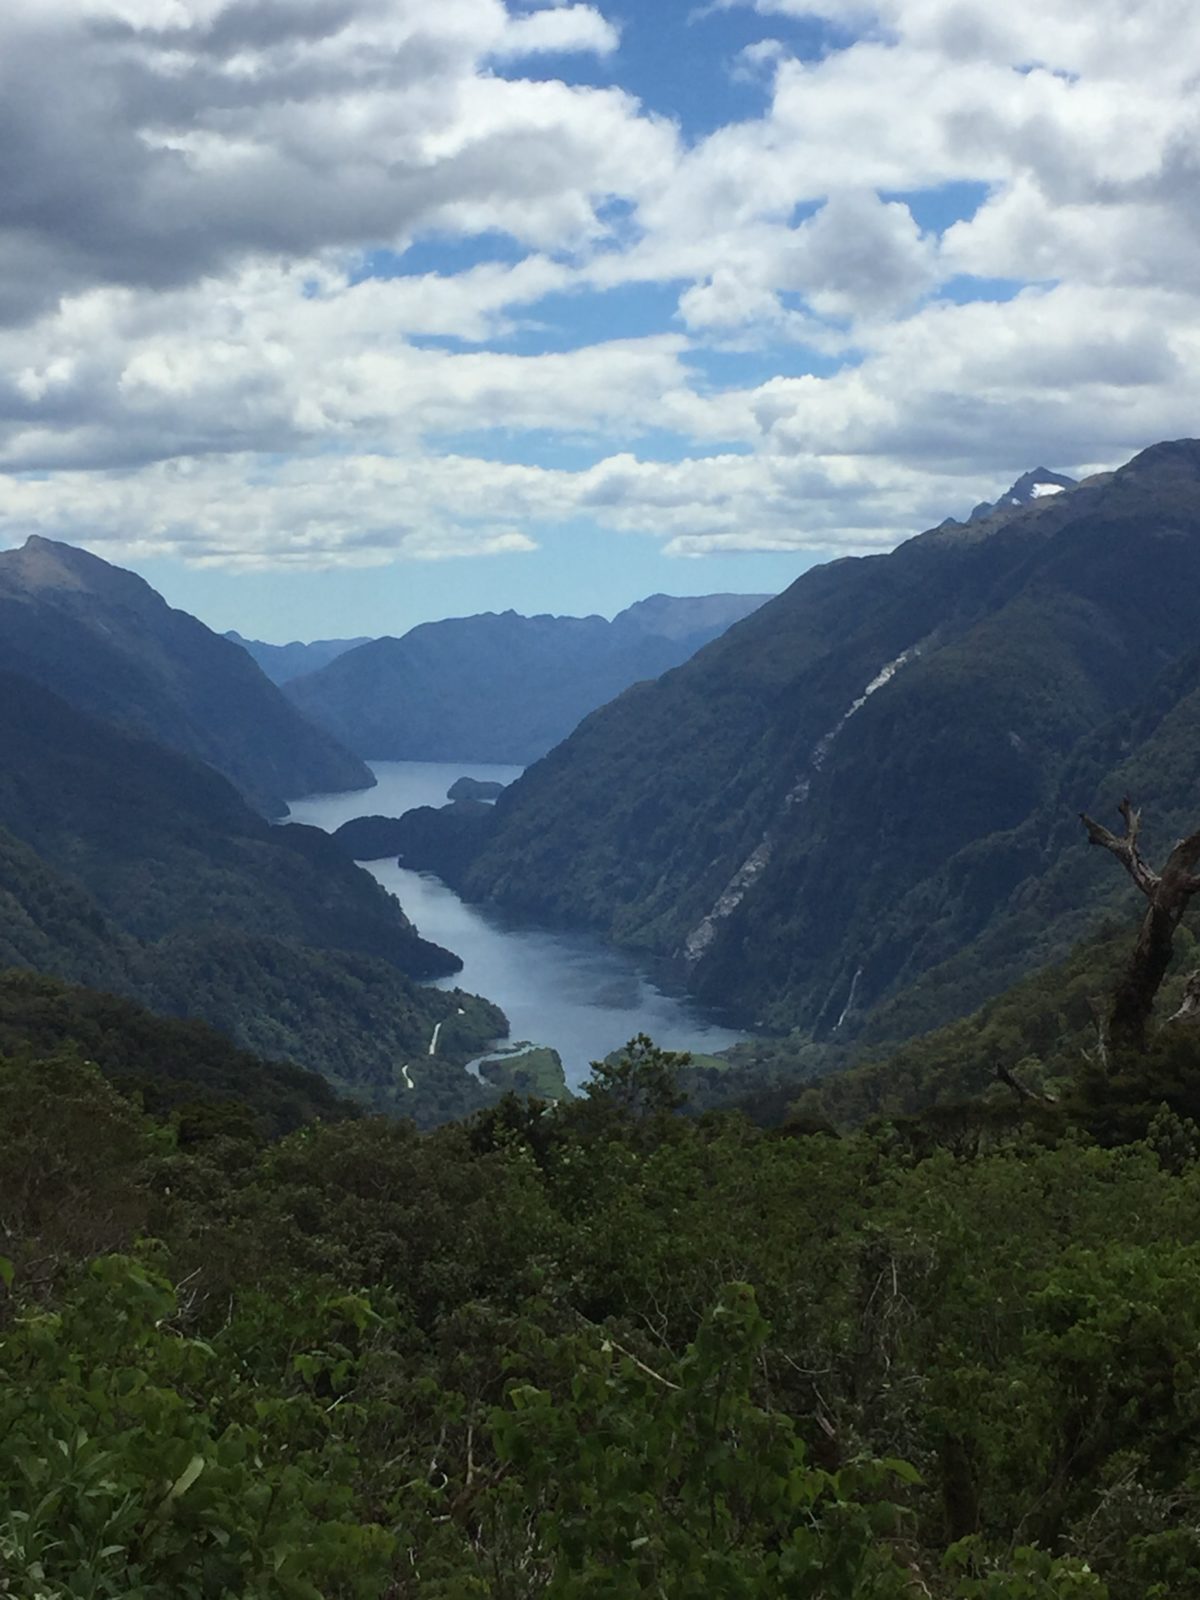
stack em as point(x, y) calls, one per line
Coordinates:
point(175, 1068)
point(164, 843)
point(135, 870)
point(1043, 1032)
point(439, 839)
point(816, 858)
point(599, 1351)
point(502, 687)
point(107, 643)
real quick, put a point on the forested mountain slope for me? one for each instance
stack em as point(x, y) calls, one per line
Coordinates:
point(106, 642)
point(502, 687)
point(166, 844)
point(130, 868)
point(172, 1066)
point(827, 802)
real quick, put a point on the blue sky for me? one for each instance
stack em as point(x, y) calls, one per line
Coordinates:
point(330, 319)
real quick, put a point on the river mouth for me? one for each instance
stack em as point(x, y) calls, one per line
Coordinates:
point(566, 990)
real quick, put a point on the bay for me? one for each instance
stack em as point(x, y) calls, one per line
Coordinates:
point(566, 990)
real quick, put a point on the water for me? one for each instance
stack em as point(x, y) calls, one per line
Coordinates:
point(567, 990)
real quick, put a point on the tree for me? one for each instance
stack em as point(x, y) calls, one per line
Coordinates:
point(642, 1081)
point(1168, 893)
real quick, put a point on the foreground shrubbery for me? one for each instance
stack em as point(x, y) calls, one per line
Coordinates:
point(597, 1352)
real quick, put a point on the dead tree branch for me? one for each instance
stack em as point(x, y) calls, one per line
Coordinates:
point(1125, 847)
point(1189, 1006)
point(1168, 894)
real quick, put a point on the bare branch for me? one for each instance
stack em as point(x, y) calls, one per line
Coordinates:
point(638, 1363)
point(1189, 1006)
point(1125, 848)
point(1133, 998)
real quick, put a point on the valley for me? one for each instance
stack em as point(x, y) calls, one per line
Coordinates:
point(567, 991)
point(599, 800)
point(741, 1069)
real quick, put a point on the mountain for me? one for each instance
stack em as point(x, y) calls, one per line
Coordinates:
point(502, 687)
point(106, 642)
point(1031, 486)
point(165, 843)
point(849, 803)
point(129, 868)
point(282, 662)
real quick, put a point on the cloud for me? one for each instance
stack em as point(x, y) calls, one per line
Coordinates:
point(560, 30)
point(305, 359)
point(189, 137)
point(191, 191)
point(364, 510)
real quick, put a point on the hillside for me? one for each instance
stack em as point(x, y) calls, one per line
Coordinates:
point(131, 869)
point(828, 802)
point(567, 1355)
point(165, 844)
point(172, 1066)
point(106, 642)
point(501, 687)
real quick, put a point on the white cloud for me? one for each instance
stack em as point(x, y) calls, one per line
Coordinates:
point(564, 28)
point(154, 144)
point(187, 361)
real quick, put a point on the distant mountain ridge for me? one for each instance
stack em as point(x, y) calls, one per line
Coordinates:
point(282, 662)
point(105, 641)
point(852, 789)
point(501, 687)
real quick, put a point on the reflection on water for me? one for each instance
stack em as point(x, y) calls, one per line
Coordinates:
point(567, 990)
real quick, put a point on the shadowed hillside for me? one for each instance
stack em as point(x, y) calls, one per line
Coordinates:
point(107, 643)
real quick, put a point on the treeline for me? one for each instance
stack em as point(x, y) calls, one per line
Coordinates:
point(596, 1351)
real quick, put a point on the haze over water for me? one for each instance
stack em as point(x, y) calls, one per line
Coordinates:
point(567, 990)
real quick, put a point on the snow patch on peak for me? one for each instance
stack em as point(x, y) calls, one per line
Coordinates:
point(1039, 491)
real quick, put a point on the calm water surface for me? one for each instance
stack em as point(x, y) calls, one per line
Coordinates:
point(567, 990)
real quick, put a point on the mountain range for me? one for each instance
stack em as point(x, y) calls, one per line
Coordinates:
point(282, 662)
point(851, 815)
point(110, 645)
point(502, 687)
point(857, 808)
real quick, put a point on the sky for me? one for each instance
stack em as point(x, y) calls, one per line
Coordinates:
point(334, 316)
